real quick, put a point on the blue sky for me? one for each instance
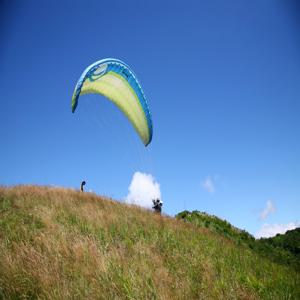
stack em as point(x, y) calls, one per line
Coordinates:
point(222, 79)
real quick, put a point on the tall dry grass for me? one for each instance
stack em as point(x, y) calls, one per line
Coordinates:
point(62, 244)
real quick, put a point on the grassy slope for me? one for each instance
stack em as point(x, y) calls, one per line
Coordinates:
point(62, 244)
point(283, 248)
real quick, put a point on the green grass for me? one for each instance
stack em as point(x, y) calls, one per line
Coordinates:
point(63, 244)
point(283, 248)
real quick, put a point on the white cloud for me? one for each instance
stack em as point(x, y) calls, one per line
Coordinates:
point(208, 184)
point(143, 188)
point(270, 208)
point(269, 230)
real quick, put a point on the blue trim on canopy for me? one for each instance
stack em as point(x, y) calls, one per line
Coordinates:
point(119, 67)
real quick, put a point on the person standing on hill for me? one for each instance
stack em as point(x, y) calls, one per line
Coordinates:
point(157, 205)
point(81, 185)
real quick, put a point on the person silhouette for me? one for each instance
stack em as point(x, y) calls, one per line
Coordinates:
point(157, 205)
point(81, 185)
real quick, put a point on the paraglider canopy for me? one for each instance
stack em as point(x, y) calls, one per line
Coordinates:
point(115, 80)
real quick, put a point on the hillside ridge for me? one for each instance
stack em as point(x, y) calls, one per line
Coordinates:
point(58, 243)
point(282, 248)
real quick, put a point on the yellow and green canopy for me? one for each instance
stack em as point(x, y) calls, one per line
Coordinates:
point(114, 79)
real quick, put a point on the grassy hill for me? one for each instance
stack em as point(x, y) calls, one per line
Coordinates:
point(283, 248)
point(62, 244)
